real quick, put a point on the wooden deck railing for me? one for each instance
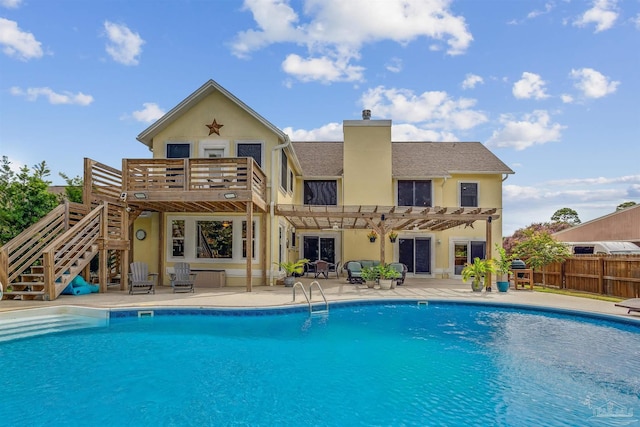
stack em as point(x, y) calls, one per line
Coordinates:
point(178, 175)
point(26, 248)
point(101, 182)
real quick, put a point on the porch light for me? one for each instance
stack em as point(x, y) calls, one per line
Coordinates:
point(140, 196)
point(230, 195)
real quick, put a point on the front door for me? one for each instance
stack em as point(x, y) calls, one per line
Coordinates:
point(416, 254)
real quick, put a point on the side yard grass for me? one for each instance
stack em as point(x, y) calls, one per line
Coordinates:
point(539, 288)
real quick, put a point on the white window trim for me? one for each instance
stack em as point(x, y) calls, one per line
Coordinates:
point(213, 144)
point(190, 236)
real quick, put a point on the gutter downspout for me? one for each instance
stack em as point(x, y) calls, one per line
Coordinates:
point(272, 204)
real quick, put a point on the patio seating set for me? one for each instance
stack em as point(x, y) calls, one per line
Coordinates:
point(354, 270)
point(141, 281)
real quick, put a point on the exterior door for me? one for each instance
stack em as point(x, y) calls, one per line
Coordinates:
point(416, 254)
point(316, 248)
point(465, 252)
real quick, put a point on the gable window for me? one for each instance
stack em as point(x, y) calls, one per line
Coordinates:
point(284, 170)
point(291, 181)
point(414, 193)
point(320, 193)
point(469, 194)
point(178, 150)
point(254, 150)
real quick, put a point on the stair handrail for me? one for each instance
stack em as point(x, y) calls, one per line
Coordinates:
point(67, 248)
point(26, 248)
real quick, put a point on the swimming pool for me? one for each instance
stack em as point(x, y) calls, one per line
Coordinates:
point(394, 363)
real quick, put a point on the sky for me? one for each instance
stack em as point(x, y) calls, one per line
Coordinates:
point(550, 87)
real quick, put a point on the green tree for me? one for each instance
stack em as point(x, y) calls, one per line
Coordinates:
point(24, 198)
point(510, 242)
point(567, 215)
point(73, 189)
point(539, 249)
point(625, 205)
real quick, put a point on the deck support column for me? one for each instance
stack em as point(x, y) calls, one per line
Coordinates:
point(249, 245)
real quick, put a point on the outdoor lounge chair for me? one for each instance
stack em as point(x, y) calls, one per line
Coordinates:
point(400, 268)
point(182, 278)
point(354, 272)
point(335, 268)
point(140, 280)
point(632, 304)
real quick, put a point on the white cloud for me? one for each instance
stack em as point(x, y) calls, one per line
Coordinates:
point(636, 21)
point(335, 30)
point(529, 86)
point(124, 45)
point(532, 129)
point(593, 84)
point(471, 80)
point(33, 93)
point(150, 113)
point(602, 14)
point(409, 132)
point(18, 43)
point(432, 109)
point(548, 7)
point(321, 69)
point(394, 65)
point(328, 132)
point(566, 98)
point(11, 4)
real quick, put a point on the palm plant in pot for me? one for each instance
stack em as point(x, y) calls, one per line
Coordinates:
point(503, 265)
point(476, 271)
point(291, 268)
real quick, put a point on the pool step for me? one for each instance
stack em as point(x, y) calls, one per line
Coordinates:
point(24, 327)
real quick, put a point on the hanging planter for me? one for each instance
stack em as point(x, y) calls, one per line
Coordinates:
point(393, 236)
point(372, 236)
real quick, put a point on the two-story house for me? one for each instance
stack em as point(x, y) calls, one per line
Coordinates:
point(323, 198)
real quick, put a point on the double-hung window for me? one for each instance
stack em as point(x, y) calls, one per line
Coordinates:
point(469, 194)
point(320, 193)
point(414, 193)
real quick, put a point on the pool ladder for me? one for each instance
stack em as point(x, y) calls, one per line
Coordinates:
point(309, 296)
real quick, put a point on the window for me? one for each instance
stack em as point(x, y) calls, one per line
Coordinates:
point(468, 194)
point(254, 150)
point(320, 193)
point(291, 181)
point(177, 238)
point(414, 193)
point(178, 150)
point(215, 239)
point(284, 170)
point(244, 239)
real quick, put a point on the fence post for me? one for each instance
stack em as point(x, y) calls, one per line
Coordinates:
point(601, 275)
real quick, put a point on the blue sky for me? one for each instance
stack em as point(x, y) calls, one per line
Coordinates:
point(551, 87)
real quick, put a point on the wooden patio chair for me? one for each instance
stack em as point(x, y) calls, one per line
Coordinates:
point(182, 279)
point(140, 280)
point(322, 268)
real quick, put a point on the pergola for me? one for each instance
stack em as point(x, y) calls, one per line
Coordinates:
point(383, 219)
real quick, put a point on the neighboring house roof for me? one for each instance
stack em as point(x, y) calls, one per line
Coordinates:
point(622, 225)
point(146, 136)
point(410, 159)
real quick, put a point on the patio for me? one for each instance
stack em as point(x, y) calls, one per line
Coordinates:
point(334, 290)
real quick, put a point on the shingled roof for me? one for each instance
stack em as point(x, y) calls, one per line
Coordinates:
point(410, 159)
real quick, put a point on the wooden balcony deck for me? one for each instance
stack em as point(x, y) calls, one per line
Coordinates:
point(188, 185)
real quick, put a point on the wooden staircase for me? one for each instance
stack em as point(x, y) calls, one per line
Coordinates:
point(41, 262)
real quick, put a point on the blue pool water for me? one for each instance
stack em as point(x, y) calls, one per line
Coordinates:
point(392, 364)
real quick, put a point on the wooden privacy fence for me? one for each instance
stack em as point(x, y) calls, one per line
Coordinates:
point(613, 275)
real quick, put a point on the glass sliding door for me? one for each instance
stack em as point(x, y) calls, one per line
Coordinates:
point(415, 254)
point(316, 247)
point(465, 252)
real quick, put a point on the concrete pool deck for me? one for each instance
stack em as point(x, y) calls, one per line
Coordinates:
point(334, 290)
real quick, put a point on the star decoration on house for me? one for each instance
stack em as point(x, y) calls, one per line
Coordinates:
point(214, 127)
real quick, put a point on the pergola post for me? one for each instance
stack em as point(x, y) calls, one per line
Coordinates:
point(489, 245)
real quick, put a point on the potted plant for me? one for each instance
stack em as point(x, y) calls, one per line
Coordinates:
point(292, 268)
point(476, 272)
point(384, 275)
point(372, 236)
point(502, 265)
point(393, 236)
